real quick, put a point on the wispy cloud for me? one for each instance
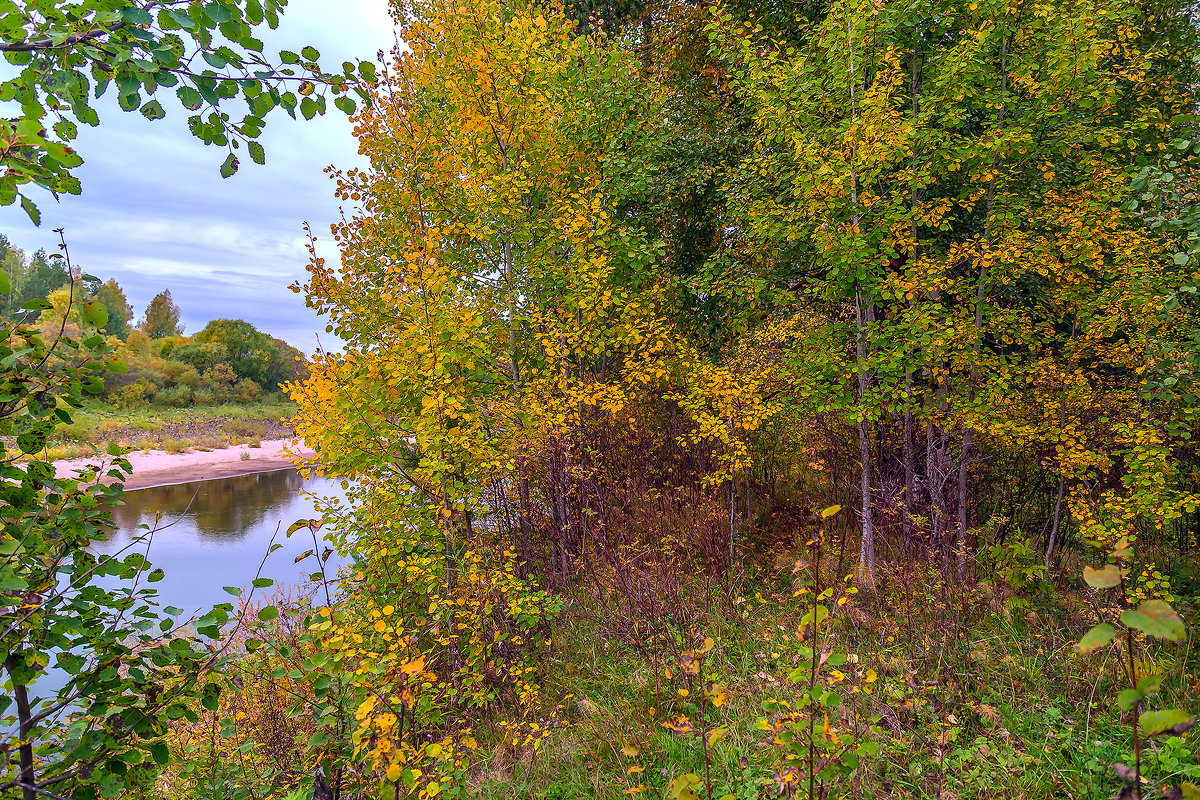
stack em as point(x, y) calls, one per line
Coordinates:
point(155, 213)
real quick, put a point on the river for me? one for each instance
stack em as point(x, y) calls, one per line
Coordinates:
point(212, 534)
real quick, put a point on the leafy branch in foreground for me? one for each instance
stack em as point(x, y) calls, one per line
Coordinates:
point(93, 669)
point(67, 55)
point(1154, 619)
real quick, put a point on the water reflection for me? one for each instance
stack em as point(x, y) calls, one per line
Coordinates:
point(212, 534)
point(222, 510)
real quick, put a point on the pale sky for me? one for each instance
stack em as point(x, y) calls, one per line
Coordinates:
point(155, 213)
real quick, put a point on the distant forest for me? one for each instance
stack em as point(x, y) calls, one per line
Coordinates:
point(228, 360)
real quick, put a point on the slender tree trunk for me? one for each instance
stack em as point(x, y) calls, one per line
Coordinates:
point(732, 517)
point(1062, 423)
point(976, 345)
point(866, 554)
point(1054, 525)
point(961, 539)
point(25, 749)
point(910, 466)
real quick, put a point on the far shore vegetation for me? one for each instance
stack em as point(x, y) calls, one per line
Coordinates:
point(219, 387)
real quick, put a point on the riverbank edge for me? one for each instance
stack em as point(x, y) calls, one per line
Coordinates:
point(160, 468)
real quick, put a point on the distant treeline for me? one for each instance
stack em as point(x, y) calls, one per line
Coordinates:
point(229, 360)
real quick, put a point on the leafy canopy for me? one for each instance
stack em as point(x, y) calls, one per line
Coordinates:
point(149, 54)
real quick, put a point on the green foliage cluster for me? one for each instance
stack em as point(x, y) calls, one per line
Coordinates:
point(228, 361)
point(205, 57)
point(95, 669)
point(622, 303)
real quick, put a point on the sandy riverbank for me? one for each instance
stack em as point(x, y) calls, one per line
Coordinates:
point(159, 468)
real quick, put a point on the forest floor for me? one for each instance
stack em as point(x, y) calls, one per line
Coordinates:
point(967, 692)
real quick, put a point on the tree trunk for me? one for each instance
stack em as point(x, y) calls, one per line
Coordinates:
point(1054, 526)
point(961, 539)
point(25, 729)
point(910, 466)
point(866, 553)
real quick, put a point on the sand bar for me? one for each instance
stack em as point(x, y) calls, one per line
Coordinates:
point(160, 468)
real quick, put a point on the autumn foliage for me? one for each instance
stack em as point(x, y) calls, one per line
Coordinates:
point(620, 303)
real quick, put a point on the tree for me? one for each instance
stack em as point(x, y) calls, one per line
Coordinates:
point(248, 350)
point(43, 275)
point(963, 234)
point(120, 313)
point(129, 667)
point(68, 53)
point(161, 318)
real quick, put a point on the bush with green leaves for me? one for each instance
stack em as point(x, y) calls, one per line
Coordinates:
point(94, 668)
point(1152, 620)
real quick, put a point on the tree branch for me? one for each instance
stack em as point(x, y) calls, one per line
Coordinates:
point(48, 44)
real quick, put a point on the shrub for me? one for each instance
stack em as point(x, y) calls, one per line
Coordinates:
point(189, 377)
point(221, 375)
point(171, 370)
point(178, 397)
point(116, 382)
point(246, 391)
point(135, 395)
point(205, 397)
point(138, 343)
point(166, 346)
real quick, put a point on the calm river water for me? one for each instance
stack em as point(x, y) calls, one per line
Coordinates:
point(215, 533)
point(212, 534)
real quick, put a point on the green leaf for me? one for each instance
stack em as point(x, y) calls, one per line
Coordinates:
point(1152, 722)
point(230, 166)
point(95, 314)
point(715, 735)
point(1106, 577)
point(1150, 684)
point(153, 110)
point(262, 583)
point(181, 19)
point(136, 16)
point(209, 696)
point(160, 753)
point(310, 53)
point(268, 613)
point(1155, 618)
point(257, 154)
point(1128, 698)
point(190, 98)
point(31, 210)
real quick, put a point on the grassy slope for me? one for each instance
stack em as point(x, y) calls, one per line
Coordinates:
point(171, 429)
